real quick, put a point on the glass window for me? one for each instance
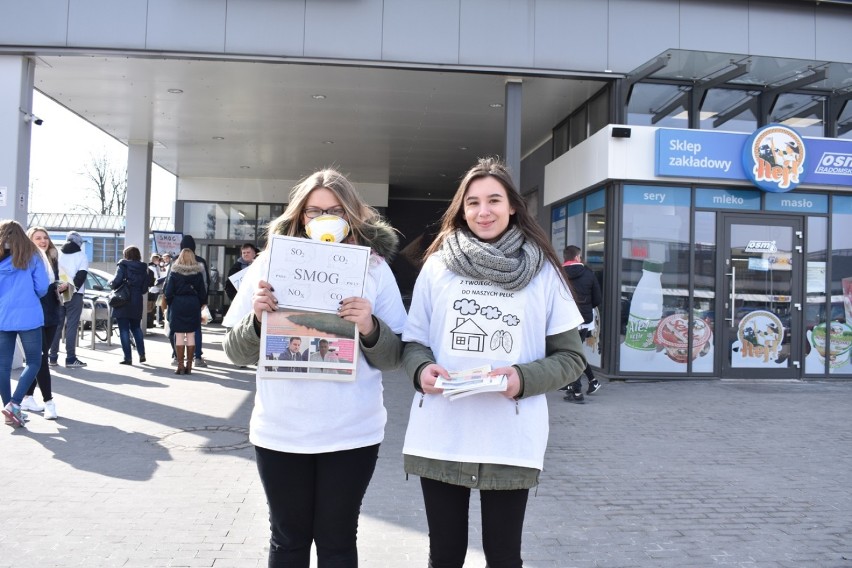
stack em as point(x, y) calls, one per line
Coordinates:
point(599, 111)
point(574, 225)
point(579, 127)
point(802, 112)
point(206, 220)
point(655, 270)
point(243, 222)
point(560, 140)
point(647, 99)
point(844, 121)
point(840, 330)
point(815, 296)
point(718, 105)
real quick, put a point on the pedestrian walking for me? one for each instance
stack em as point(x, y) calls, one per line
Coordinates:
point(50, 305)
point(24, 280)
point(587, 295)
point(134, 274)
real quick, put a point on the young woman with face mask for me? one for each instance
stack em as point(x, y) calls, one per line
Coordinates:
point(317, 441)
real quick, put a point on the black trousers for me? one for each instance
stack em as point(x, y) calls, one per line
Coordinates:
point(315, 498)
point(43, 376)
point(447, 509)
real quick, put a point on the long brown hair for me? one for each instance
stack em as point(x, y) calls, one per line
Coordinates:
point(453, 218)
point(14, 240)
point(358, 213)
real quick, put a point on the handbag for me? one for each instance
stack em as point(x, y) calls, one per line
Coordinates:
point(120, 296)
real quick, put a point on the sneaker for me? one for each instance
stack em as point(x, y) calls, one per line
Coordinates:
point(29, 403)
point(125, 362)
point(174, 361)
point(576, 397)
point(75, 364)
point(142, 359)
point(50, 410)
point(199, 362)
point(13, 415)
point(594, 387)
point(53, 362)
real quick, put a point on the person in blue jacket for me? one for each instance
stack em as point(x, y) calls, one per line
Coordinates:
point(133, 273)
point(23, 281)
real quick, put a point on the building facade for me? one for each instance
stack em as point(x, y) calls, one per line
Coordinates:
point(239, 99)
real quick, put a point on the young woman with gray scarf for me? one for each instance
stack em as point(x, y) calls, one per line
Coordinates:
point(491, 292)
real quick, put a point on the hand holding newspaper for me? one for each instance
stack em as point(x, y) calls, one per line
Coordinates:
point(471, 381)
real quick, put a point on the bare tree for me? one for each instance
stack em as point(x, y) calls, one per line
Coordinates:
point(107, 185)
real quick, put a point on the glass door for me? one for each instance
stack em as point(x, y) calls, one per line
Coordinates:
point(761, 297)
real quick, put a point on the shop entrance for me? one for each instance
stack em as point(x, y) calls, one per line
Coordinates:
point(761, 297)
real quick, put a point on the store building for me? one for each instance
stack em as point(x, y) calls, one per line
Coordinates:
point(705, 273)
point(624, 121)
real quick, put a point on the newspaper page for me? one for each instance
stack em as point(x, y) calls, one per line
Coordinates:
point(464, 383)
point(305, 338)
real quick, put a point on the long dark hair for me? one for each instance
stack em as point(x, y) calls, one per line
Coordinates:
point(453, 218)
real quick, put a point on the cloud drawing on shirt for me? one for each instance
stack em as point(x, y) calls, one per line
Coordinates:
point(466, 307)
point(491, 312)
point(511, 320)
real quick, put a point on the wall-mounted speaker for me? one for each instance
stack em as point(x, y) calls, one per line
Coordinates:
point(620, 132)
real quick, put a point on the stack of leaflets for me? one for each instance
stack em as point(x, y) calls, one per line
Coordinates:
point(471, 381)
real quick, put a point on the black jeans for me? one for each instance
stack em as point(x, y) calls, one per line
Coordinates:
point(315, 498)
point(447, 515)
point(43, 376)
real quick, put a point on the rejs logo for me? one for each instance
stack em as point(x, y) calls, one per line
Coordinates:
point(774, 158)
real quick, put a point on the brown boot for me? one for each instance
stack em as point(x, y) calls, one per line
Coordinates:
point(190, 353)
point(180, 350)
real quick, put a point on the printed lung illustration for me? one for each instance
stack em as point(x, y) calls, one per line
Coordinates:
point(468, 333)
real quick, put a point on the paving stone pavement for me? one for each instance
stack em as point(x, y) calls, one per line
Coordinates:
point(148, 469)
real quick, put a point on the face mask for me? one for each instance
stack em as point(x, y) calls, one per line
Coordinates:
point(327, 228)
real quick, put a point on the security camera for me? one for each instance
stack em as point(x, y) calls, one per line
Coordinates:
point(29, 117)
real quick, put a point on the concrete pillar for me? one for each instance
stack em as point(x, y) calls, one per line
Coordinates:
point(138, 211)
point(512, 150)
point(16, 121)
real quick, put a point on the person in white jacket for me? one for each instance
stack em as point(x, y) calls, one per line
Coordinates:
point(73, 268)
point(317, 441)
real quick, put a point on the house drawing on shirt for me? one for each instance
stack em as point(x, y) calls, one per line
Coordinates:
point(467, 336)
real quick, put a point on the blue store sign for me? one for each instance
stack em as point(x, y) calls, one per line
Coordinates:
point(774, 158)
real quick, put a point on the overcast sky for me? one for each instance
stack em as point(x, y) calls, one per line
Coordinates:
point(61, 149)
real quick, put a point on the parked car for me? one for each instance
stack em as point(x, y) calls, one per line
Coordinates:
point(97, 286)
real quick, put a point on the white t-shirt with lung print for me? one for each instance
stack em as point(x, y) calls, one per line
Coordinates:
point(468, 323)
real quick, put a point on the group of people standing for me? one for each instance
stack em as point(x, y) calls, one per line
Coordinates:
point(41, 292)
point(317, 441)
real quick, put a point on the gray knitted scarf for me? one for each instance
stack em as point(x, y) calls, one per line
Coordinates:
point(510, 262)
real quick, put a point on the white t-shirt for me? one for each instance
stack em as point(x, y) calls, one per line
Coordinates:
point(469, 323)
point(307, 416)
point(72, 263)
